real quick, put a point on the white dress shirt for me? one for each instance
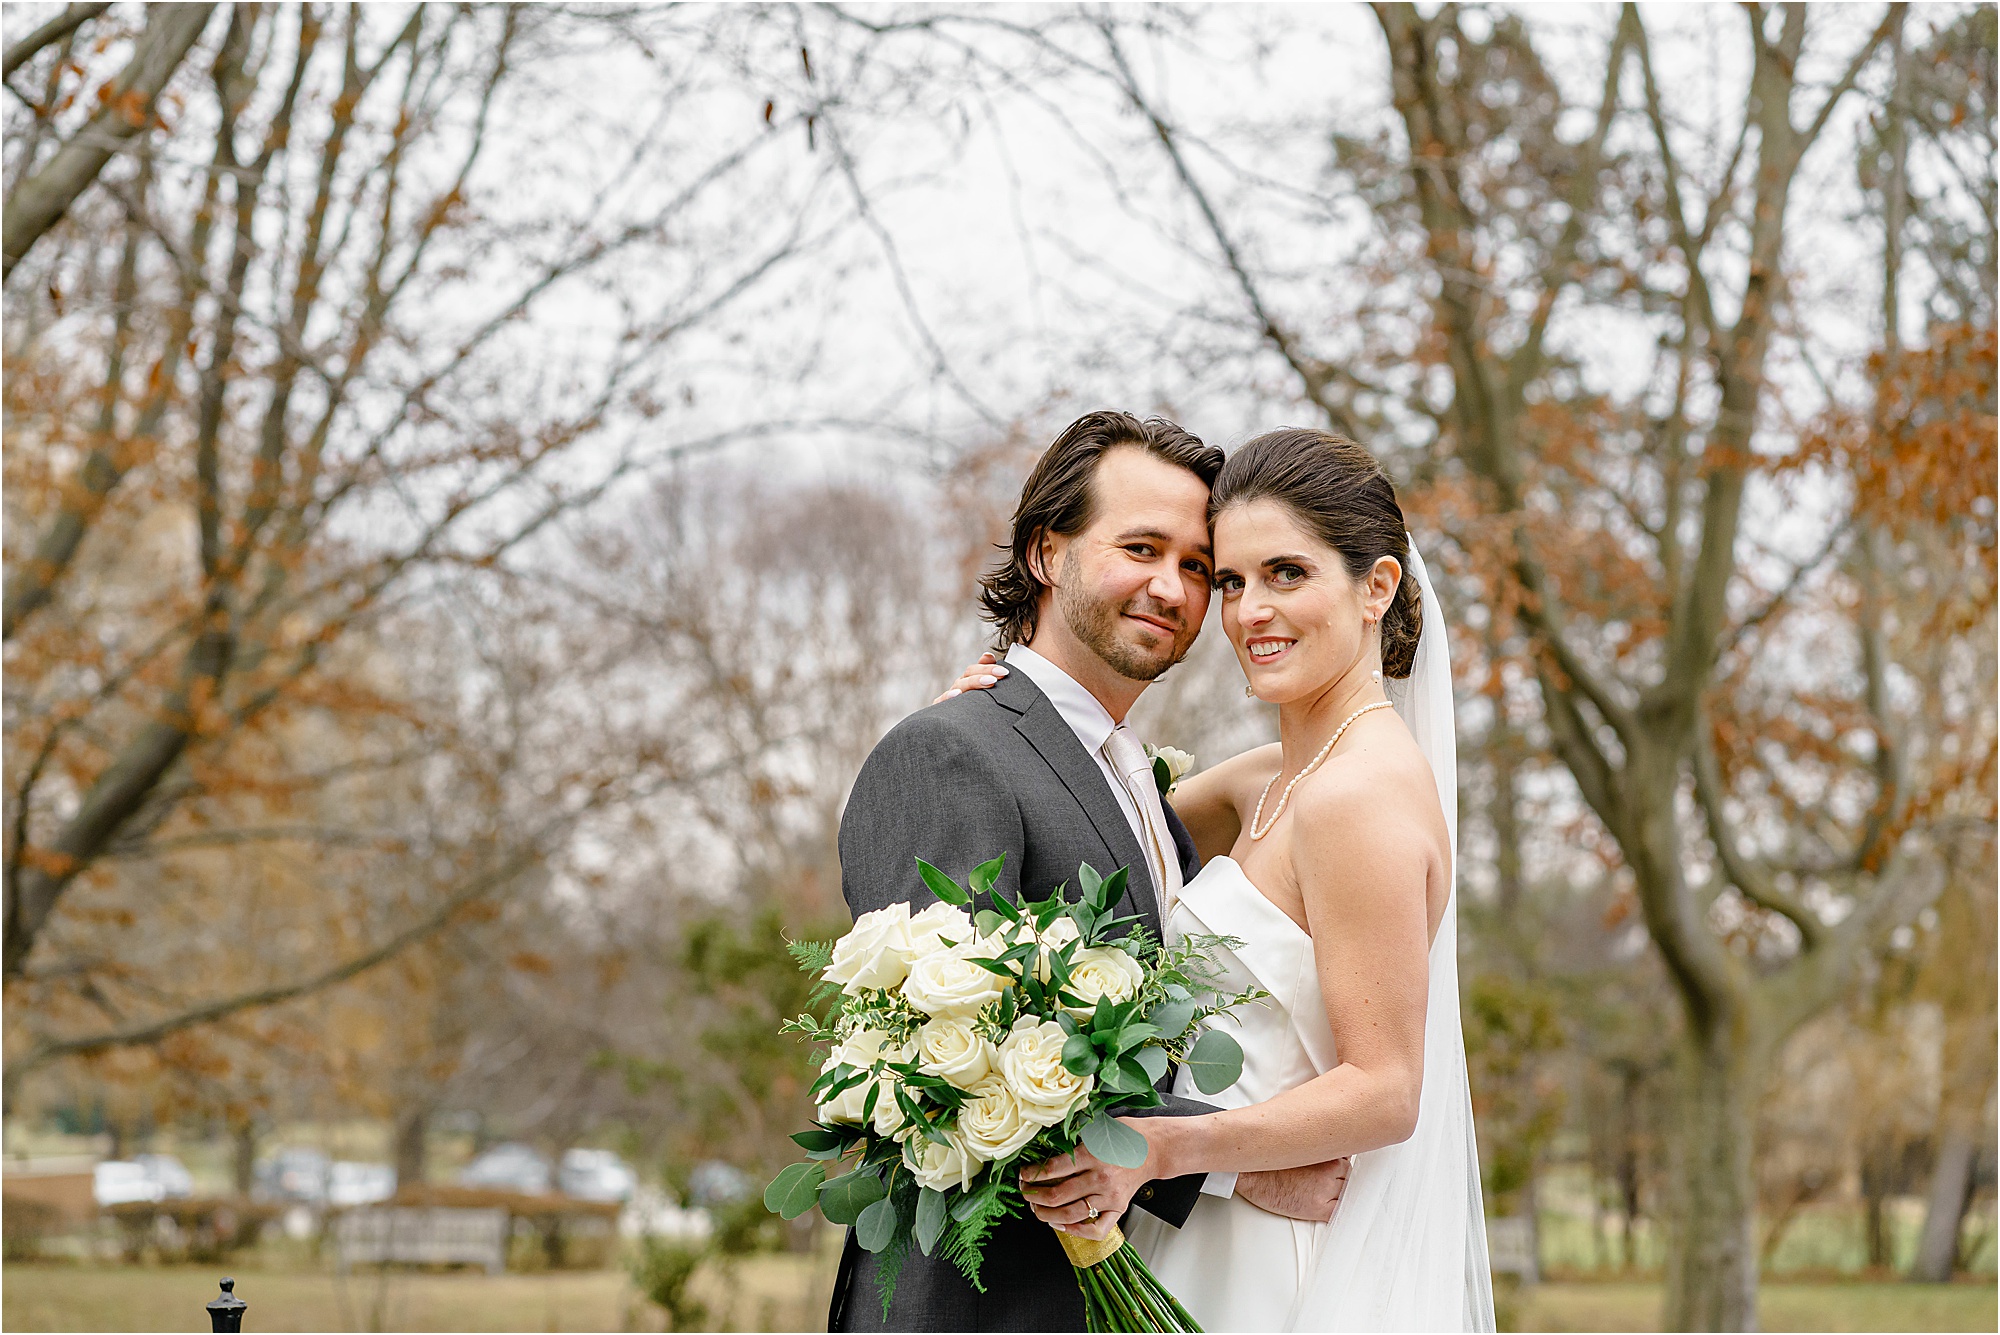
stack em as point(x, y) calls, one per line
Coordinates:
point(1092, 723)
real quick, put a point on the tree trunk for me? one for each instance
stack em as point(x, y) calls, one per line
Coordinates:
point(412, 1135)
point(1877, 1165)
point(1951, 1192)
point(244, 1156)
point(1712, 1258)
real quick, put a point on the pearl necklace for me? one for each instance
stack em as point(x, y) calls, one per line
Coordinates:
point(1286, 796)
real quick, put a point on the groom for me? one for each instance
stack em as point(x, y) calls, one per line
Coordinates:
point(1103, 589)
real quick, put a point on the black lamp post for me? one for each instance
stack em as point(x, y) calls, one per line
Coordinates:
point(226, 1312)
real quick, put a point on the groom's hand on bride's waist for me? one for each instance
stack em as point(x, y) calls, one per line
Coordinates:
point(1309, 1193)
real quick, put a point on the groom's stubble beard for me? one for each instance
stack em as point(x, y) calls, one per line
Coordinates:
point(1094, 622)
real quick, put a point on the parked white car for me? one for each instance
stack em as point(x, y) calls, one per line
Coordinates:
point(595, 1175)
point(296, 1174)
point(350, 1183)
point(653, 1212)
point(149, 1177)
point(176, 1183)
point(508, 1167)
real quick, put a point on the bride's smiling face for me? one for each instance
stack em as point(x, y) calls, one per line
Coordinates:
point(1298, 620)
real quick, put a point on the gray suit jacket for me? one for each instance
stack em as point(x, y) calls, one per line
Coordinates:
point(985, 773)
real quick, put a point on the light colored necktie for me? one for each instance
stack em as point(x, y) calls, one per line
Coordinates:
point(1128, 757)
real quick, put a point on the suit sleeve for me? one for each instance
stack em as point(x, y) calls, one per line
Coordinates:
point(927, 791)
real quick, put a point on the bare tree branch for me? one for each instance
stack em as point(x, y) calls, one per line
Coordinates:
point(62, 25)
point(39, 200)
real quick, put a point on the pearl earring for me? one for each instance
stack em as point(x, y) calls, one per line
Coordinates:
point(1377, 675)
point(1248, 689)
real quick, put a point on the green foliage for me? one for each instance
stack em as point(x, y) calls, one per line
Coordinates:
point(795, 1190)
point(661, 1269)
point(743, 988)
point(1128, 1046)
point(745, 1227)
point(1114, 1142)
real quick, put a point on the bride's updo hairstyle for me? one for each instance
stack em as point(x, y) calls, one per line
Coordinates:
point(1341, 496)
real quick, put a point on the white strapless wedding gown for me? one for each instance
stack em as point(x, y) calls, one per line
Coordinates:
point(1406, 1250)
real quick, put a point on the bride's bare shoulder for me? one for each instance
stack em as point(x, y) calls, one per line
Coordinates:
point(1383, 785)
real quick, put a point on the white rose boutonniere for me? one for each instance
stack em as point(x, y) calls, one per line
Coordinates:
point(1170, 766)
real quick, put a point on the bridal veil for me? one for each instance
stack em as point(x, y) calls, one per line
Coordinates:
point(1407, 1248)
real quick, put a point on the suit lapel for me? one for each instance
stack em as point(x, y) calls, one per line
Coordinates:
point(1045, 730)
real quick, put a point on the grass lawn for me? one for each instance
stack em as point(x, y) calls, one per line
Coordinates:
point(785, 1293)
point(758, 1293)
point(1781, 1306)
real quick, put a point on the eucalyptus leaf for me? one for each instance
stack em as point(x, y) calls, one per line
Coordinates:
point(1114, 1142)
point(1172, 1018)
point(794, 1191)
point(1122, 1076)
point(1215, 1061)
point(843, 1199)
point(1155, 1062)
point(931, 1216)
point(986, 922)
point(942, 885)
point(876, 1226)
point(1132, 1035)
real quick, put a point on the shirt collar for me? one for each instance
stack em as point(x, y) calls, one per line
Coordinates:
point(1086, 715)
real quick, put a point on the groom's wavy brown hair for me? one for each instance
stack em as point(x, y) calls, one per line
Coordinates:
point(1058, 498)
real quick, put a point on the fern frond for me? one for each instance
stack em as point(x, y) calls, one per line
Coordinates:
point(965, 1237)
point(812, 956)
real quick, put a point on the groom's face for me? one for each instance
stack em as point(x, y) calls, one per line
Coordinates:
point(1133, 585)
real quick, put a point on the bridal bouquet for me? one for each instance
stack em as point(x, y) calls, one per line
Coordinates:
point(963, 1046)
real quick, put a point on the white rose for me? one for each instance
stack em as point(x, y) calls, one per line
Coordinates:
point(992, 1123)
point(950, 1047)
point(937, 924)
point(1102, 971)
point(859, 1050)
point(940, 1167)
point(889, 1121)
point(948, 983)
point(1059, 934)
point(875, 952)
point(1031, 1061)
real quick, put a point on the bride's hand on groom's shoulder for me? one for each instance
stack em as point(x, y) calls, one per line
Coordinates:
point(1063, 1191)
point(982, 674)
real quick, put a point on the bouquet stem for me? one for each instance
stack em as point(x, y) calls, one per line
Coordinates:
point(1119, 1292)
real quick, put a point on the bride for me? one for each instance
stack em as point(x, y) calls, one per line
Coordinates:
point(1330, 857)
